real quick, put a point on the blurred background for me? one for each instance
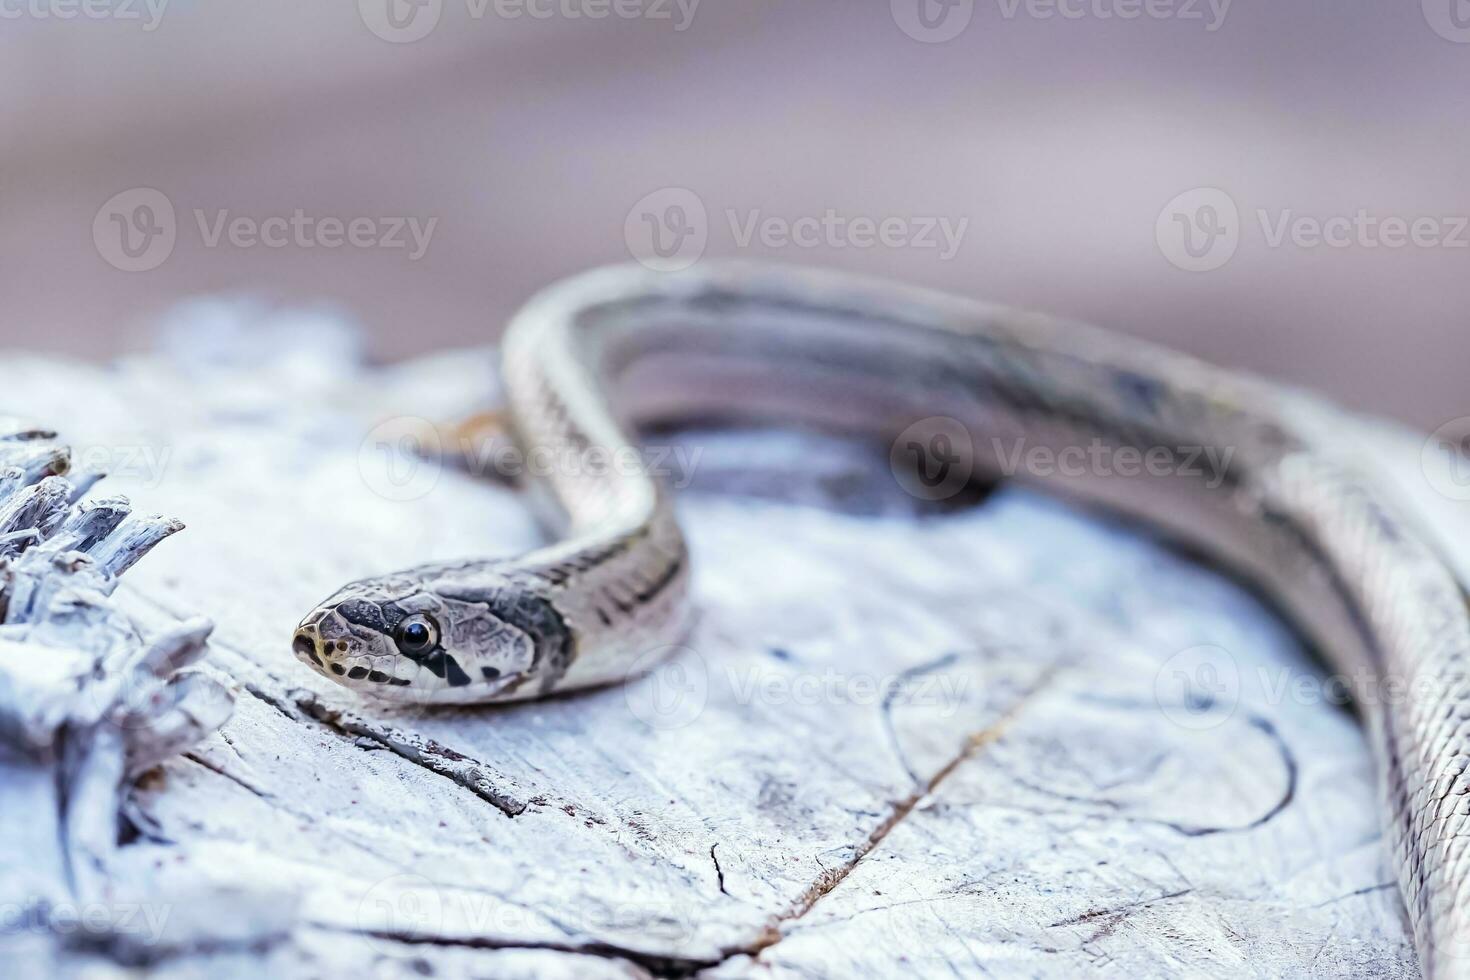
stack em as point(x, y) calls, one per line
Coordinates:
point(1276, 186)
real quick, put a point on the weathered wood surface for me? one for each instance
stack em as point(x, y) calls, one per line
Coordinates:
point(931, 742)
point(88, 700)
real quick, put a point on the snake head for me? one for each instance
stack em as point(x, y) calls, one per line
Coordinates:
point(423, 636)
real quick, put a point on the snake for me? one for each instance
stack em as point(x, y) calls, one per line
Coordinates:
point(1289, 505)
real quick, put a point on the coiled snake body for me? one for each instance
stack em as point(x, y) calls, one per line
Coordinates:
point(590, 360)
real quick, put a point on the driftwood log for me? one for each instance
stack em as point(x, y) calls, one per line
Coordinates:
point(997, 739)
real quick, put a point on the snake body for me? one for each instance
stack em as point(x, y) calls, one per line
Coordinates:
point(589, 361)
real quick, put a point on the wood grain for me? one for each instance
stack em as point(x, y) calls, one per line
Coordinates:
point(997, 776)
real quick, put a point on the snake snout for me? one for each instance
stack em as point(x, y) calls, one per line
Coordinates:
point(307, 645)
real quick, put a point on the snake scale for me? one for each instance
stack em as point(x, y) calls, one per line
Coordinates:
point(589, 361)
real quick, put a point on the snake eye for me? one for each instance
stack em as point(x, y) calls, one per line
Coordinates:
point(416, 636)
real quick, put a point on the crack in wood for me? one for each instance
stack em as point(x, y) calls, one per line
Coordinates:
point(831, 878)
point(1126, 908)
point(238, 780)
point(1368, 890)
point(137, 956)
point(719, 872)
point(656, 964)
point(425, 753)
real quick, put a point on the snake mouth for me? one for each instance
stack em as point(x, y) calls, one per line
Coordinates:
point(328, 658)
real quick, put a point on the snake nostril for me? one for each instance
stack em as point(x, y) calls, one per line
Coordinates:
point(305, 646)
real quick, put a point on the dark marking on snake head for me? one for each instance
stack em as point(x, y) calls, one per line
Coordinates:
point(357, 673)
point(443, 665)
point(393, 614)
point(379, 617)
point(361, 612)
point(551, 637)
point(534, 615)
point(338, 669)
point(305, 646)
point(454, 673)
point(377, 677)
point(490, 673)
